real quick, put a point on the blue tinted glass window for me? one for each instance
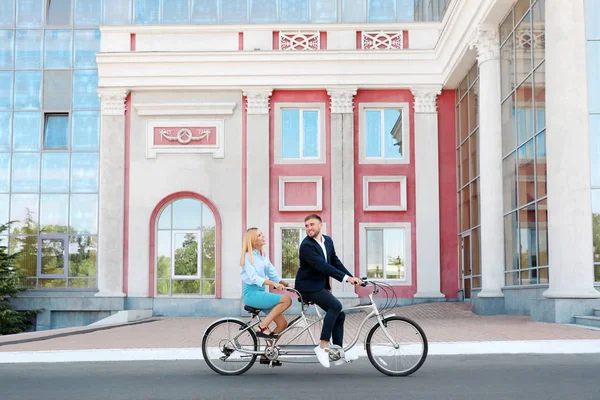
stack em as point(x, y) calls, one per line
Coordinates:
point(87, 13)
point(57, 49)
point(84, 172)
point(6, 49)
point(323, 11)
point(175, 11)
point(595, 148)
point(28, 90)
point(25, 172)
point(59, 12)
point(373, 133)
point(55, 172)
point(4, 202)
point(593, 67)
point(392, 133)
point(117, 12)
point(4, 172)
point(5, 129)
point(592, 16)
point(56, 131)
point(187, 214)
point(28, 49)
point(26, 131)
point(83, 214)
point(85, 130)
point(354, 10)
point(234, 11)
point(263, 11)
point(6, 89)
point(205, 12)
point(294, 10)
point(310, 130)
point(290, 133)
point(406, 10)
point(54, 213)
point(30, 13)
point(7, 13)
point(146, 11)
point(87, 44)
point(381, 10)
point(85, 84)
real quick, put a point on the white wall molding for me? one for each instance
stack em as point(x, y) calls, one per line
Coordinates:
point(150, 109)
point(317, 180)
point(405, 110)
point(217, 150)
point(401, 179)
point(277, 156)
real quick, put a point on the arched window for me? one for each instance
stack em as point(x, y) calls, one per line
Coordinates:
point(185, 247)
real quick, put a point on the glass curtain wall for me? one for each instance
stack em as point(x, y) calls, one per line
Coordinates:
point(522, 36)
point(467, 161)
point(592, 13)
point(49, 139)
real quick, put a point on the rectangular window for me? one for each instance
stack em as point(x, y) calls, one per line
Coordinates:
point(300, 134)
point(384, 133)
point(290, 244)
point(56, 131)
point(385, 253)
point(59, 12)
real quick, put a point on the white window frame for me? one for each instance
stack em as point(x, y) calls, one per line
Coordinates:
point(277, 229)
point(317, 180)
point(198, 275)
point(362, 235)
point(362, 133)
point(401, 179)
point(321, 130)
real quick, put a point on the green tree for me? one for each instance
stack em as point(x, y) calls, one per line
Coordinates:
point(290, 244)
point(11, 321)
point(186, 264)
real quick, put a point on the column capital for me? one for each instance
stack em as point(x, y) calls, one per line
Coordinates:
point(257, 100)
point(342, 99)
point(113, 101)
point(485, 40)
point(426, 99)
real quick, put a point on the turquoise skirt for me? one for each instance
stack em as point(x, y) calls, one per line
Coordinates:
point(257, 297)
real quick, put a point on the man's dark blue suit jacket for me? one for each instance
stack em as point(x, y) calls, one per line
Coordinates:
point(314, 272)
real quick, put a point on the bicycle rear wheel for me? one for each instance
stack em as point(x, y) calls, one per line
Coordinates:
point(402, 356)
point(222, 343)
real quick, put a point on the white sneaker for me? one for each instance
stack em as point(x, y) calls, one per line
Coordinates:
point(322, 356)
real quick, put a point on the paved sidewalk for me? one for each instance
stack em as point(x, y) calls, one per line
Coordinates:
point(449, 327)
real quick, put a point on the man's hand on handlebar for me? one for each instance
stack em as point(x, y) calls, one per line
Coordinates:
point(354, 281)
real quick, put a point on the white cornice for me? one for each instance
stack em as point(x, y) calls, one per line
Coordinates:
point(184, 108)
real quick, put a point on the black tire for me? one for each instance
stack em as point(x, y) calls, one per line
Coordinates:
point(213, 366)
point(389, 372)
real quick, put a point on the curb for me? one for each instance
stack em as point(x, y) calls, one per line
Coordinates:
point(176, 354)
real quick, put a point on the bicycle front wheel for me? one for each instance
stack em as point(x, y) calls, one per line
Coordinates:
point(224, 344)
point(404, 353)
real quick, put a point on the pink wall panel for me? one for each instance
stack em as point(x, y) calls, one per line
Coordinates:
point(189, 135)
point(384, 193)
point(300, 194)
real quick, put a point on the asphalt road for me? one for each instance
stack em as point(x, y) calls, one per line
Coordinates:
point(504, 377)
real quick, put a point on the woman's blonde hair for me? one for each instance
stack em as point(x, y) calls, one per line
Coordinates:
point(248, 245)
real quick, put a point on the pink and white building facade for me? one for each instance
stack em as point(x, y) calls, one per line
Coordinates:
point(394, 133)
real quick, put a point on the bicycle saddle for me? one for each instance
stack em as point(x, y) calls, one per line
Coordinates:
point(252, 310)
point(307, 302)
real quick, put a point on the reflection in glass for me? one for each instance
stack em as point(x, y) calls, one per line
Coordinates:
point(475, 251)
point(510, 182)
point(233, 12)
point(4, 172)
point(542, 225)
point(310, 130)
point(163, 287)
point(595, 223)
point(373, 133)
point(394, 253)
point(540, 157)
point(473, 155)
point(375, 267)
point(56, 131)
point(28, 49)
point(82, 256)
point(538, 13)
point(595, 148)
point(6, 13)
point(526, 171)
point(525, 116)
point(464, 118)
point(163, 253)
point(83, 216)
point(146, 11)
point(511, 242)
point(82, 283)
point(175, 11)
point(392, 124)
point(59, 12)
point(593, 70)
point(57, 49)
point(87, 13)
point(53, 256)
point(507, 66)
point(26, 131)
point(54, 210)
point(85, 131)
point(187, 214)
point(208, 288)
point(354, 10)
point(186, 254)
point(4, 201)
point(84, 172)
point(117, 12)
point(30, 13)
point(25, 172)
point(28, 90)
point(5, 130)
point(85, 83)
point(55, 172)
point(27, 247)
point(57, 89)
point(466, 207)
point(208, 219)
point(508, 126)
point(381, 11)
point(24, 210)
point(186, 287)
point(475, 203)
point(294, 10)
point(6, 91)
point(527, 237)
point(263, 11)
point(6, 49)
point(523, 47)
point(204, 12)
point(323, 11)
point(539, 78)
point(208, 254)
point(164, 221)
point(52, 283)
point(290, 244)
point(464, 163)
point(290, 133)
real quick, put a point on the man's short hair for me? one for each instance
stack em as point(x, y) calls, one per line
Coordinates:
point(313, 216)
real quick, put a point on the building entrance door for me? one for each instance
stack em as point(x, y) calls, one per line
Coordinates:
point(465, 267)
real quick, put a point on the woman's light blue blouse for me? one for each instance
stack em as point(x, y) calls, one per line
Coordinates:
point(259, 272)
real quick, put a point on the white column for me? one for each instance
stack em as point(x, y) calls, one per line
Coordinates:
point(257, 158)
point(342, 189)
point(570, 245)
point(486, 42)
point(112, 193)
point(427, 184)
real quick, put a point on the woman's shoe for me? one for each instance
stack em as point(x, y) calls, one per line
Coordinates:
point(261, 333)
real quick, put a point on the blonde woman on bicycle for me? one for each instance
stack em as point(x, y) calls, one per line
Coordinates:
point(257, 272)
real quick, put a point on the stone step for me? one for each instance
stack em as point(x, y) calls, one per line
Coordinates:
point(588, 321)
point(597, 312)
